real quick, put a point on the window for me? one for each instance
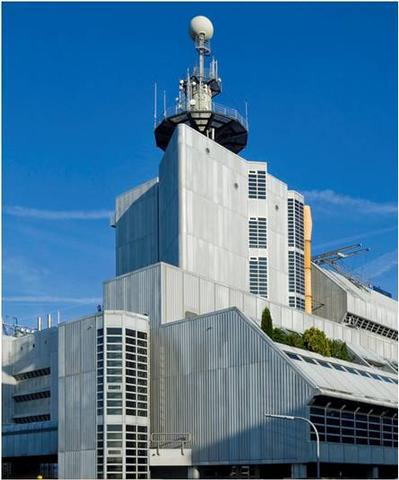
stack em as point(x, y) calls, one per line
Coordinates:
point(257, 233)
point(343, 426)
point(31, 396)
point(114, 331)
point(359, 322)
point(296, 272)
point(258, 276)
point(32, 374)
point(295, 224)
point(32, 418)
point(257, 184)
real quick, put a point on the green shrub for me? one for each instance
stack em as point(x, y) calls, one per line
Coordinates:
point(313, 340)
point(295, 340)
point(279, 335)
point(316, 341)
point(267, 322)
point(340, 350)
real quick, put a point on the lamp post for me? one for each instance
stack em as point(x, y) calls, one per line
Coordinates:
point(291, 417)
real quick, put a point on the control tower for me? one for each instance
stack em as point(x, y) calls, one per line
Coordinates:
point(195, 106)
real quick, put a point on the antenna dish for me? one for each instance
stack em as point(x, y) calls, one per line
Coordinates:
point(201, 25)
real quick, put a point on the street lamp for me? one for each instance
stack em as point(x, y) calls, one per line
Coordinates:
point(291, 417)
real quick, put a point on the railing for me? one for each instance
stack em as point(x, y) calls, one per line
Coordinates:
point(229, 112)
point(215, 108)
point(170, 441)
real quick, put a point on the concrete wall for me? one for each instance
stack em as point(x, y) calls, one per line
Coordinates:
point(77, 398)
point(329, 299)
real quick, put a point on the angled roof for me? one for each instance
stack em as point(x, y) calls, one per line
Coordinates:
point(365, 303)
point(343, 379)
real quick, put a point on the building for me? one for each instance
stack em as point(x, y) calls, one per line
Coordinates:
point(174, 377)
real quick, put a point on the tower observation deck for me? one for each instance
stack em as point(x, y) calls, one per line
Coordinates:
point(195, 106)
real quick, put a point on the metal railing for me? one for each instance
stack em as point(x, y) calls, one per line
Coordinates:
point(216, 108)
point(170, 441)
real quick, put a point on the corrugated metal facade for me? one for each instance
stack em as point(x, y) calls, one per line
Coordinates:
point(217, 375)
point(137, 228)
point(77, 398)
point(167, 293)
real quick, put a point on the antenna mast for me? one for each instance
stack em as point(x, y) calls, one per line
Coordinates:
point(155, 104)
point(332, 258)
point(194, 104)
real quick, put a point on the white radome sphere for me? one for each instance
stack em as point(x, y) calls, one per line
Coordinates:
point(200, 25)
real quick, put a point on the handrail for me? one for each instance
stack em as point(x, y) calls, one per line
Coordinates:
point(175, 440)
point(215, 108)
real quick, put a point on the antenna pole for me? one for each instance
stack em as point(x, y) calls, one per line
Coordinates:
point(246, 112)
point(201, 56)
point(164, 104)
point(155, 104)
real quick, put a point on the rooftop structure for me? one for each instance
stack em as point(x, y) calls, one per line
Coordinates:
point(195, 106)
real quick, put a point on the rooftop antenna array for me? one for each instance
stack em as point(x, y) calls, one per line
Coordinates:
point(330, 259)
point(194, 104)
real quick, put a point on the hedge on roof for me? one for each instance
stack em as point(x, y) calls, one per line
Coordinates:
point(312, 339)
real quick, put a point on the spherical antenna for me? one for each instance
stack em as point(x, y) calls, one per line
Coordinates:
point(201, 25)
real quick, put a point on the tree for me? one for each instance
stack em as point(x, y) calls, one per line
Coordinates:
point(279, 335)
point(340, 350)
point(295, 340)
point(316, 341)
point(267, 322)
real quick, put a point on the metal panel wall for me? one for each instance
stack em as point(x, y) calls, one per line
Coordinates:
point(137, 228)
point(219, 374)
point(24, 354)
point(174, 308)
point(160, 292)
point(213, 188)
point(169, 204)
point(137, 292)
point(77, 398)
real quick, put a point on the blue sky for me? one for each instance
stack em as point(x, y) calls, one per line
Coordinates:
point(321, 84)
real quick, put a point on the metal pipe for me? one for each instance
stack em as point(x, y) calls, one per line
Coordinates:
point(155, 104)
point(49, 320)
point(39, 323)
point(307, 223)
point(201, 54)
point(291, 417)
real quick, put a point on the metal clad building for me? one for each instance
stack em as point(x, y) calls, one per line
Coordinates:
point(173, 378)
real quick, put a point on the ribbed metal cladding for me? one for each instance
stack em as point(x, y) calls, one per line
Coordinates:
point(216, 376)
point(166, 293)
point(77, 399)
point(138, 292)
